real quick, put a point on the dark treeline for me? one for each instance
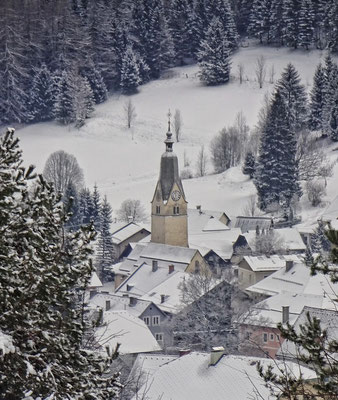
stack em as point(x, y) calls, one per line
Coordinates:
point(58, 58)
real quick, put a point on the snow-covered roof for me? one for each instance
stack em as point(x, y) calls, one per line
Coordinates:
point(221, 242)
point(192, 377)
point(290, 236)
point(213, 224)
point(146, 365)
point(251, 223)
point(159, 251)
point(125, 232)
point(197, 220)
point(95, 281)
point(328, 320)
point(132, 333)
point(269, 312)
point(119, 303)
point(297, 280)
point(271, 263)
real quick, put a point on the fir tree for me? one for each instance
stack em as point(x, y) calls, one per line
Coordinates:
point(96, 83)
point(130, 75)
point(96, 198)
point(86, 207)
point(306, 23)
point(317, 100)
point(83, 100)
point(64, 107)
point(214, 55)
point(333, 122)
point(331, 88)
point(43, 273)
point(105, 249)
point(41, 101)
point(276, 176)
point(249, 165)
point(294, 95)
point(71, 202)
point(290, 17)
point(258, 19)
point(319, 241)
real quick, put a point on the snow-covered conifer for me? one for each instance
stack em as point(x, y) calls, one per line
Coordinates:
point(249, 165)
point(43, 273)
point(214, 55)
point(83, 100)
point(96, 83)
point(64, 106)
point(317, 100)
point(306, 24)
point(96, 208)
point(105, 249)
point(294, 95)
point(331, 88)
point(130, 75)
point(41, 99)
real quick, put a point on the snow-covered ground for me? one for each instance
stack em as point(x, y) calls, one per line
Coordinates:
point(125, 162)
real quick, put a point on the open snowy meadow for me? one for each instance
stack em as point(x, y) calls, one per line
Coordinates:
point(124, 163)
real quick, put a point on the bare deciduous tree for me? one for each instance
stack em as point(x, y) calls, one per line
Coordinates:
point(251, 209)
point(178, 123)
point(131, 210)
point(268, 243)
point(201, 164)
point(63, 170)
point(129, 112)
point(315, 192)
point(272, 73)
point(240, 69)
point(260, 71)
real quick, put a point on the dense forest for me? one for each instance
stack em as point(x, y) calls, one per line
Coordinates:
point(58, 58)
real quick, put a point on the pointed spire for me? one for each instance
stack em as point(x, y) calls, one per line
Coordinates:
point(169, 141)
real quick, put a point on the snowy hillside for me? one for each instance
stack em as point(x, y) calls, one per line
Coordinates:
point(125, 163)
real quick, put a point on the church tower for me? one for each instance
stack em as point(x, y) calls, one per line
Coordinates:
point(169, 219)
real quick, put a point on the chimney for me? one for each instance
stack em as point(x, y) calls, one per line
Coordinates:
point(130, 219)
point(216, 354)
point(92, 293)
point(132, 301)
point(107, 305)
point(285, 314)
point(288, 265)
point(171, 268)
point(154, 265)
point(162, 298)
point(184, 352)
point(199, 208)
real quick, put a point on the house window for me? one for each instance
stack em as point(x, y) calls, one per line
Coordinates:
point(247, 335)
point(265, 337)
point(272, 337)
point(158, 209)
point(156, 320)
point(278, 338)
point(146, 320)
point(176, 210)
point(159, 337)
point(197, 267)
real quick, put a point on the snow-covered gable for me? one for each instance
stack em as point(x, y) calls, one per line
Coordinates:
point(130, 332)
point(271, 263)
point(95, 281)
point(198, 219)
point(297, 279)
point(220, 241)
point(290, 236)
point(269, 312)
point(328, 321)
point(192, 377)
point(215, 225)
point(126, 231)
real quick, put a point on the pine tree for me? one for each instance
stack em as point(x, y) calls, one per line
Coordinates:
point(333, 122)
point(258, 19)
point(276, 176)
point(294, 94)
point(83, 100)
point(319, 241)
point(306, 23)
point(249, 165)
point(96, 83)
point(43, 273)
point(331, 88)
point(105, 249)
point(86, 207)
point(290, 17)
point(71, 202)
point(41, 102)
point(276, 22)
point(317, 100)
point(130, 75)
point(64, 107)
point(96, 199)
point(214, 55)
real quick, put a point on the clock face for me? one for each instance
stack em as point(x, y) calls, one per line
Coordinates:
point(175, 195)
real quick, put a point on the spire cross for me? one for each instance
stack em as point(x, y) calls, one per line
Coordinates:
point(169, 116)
